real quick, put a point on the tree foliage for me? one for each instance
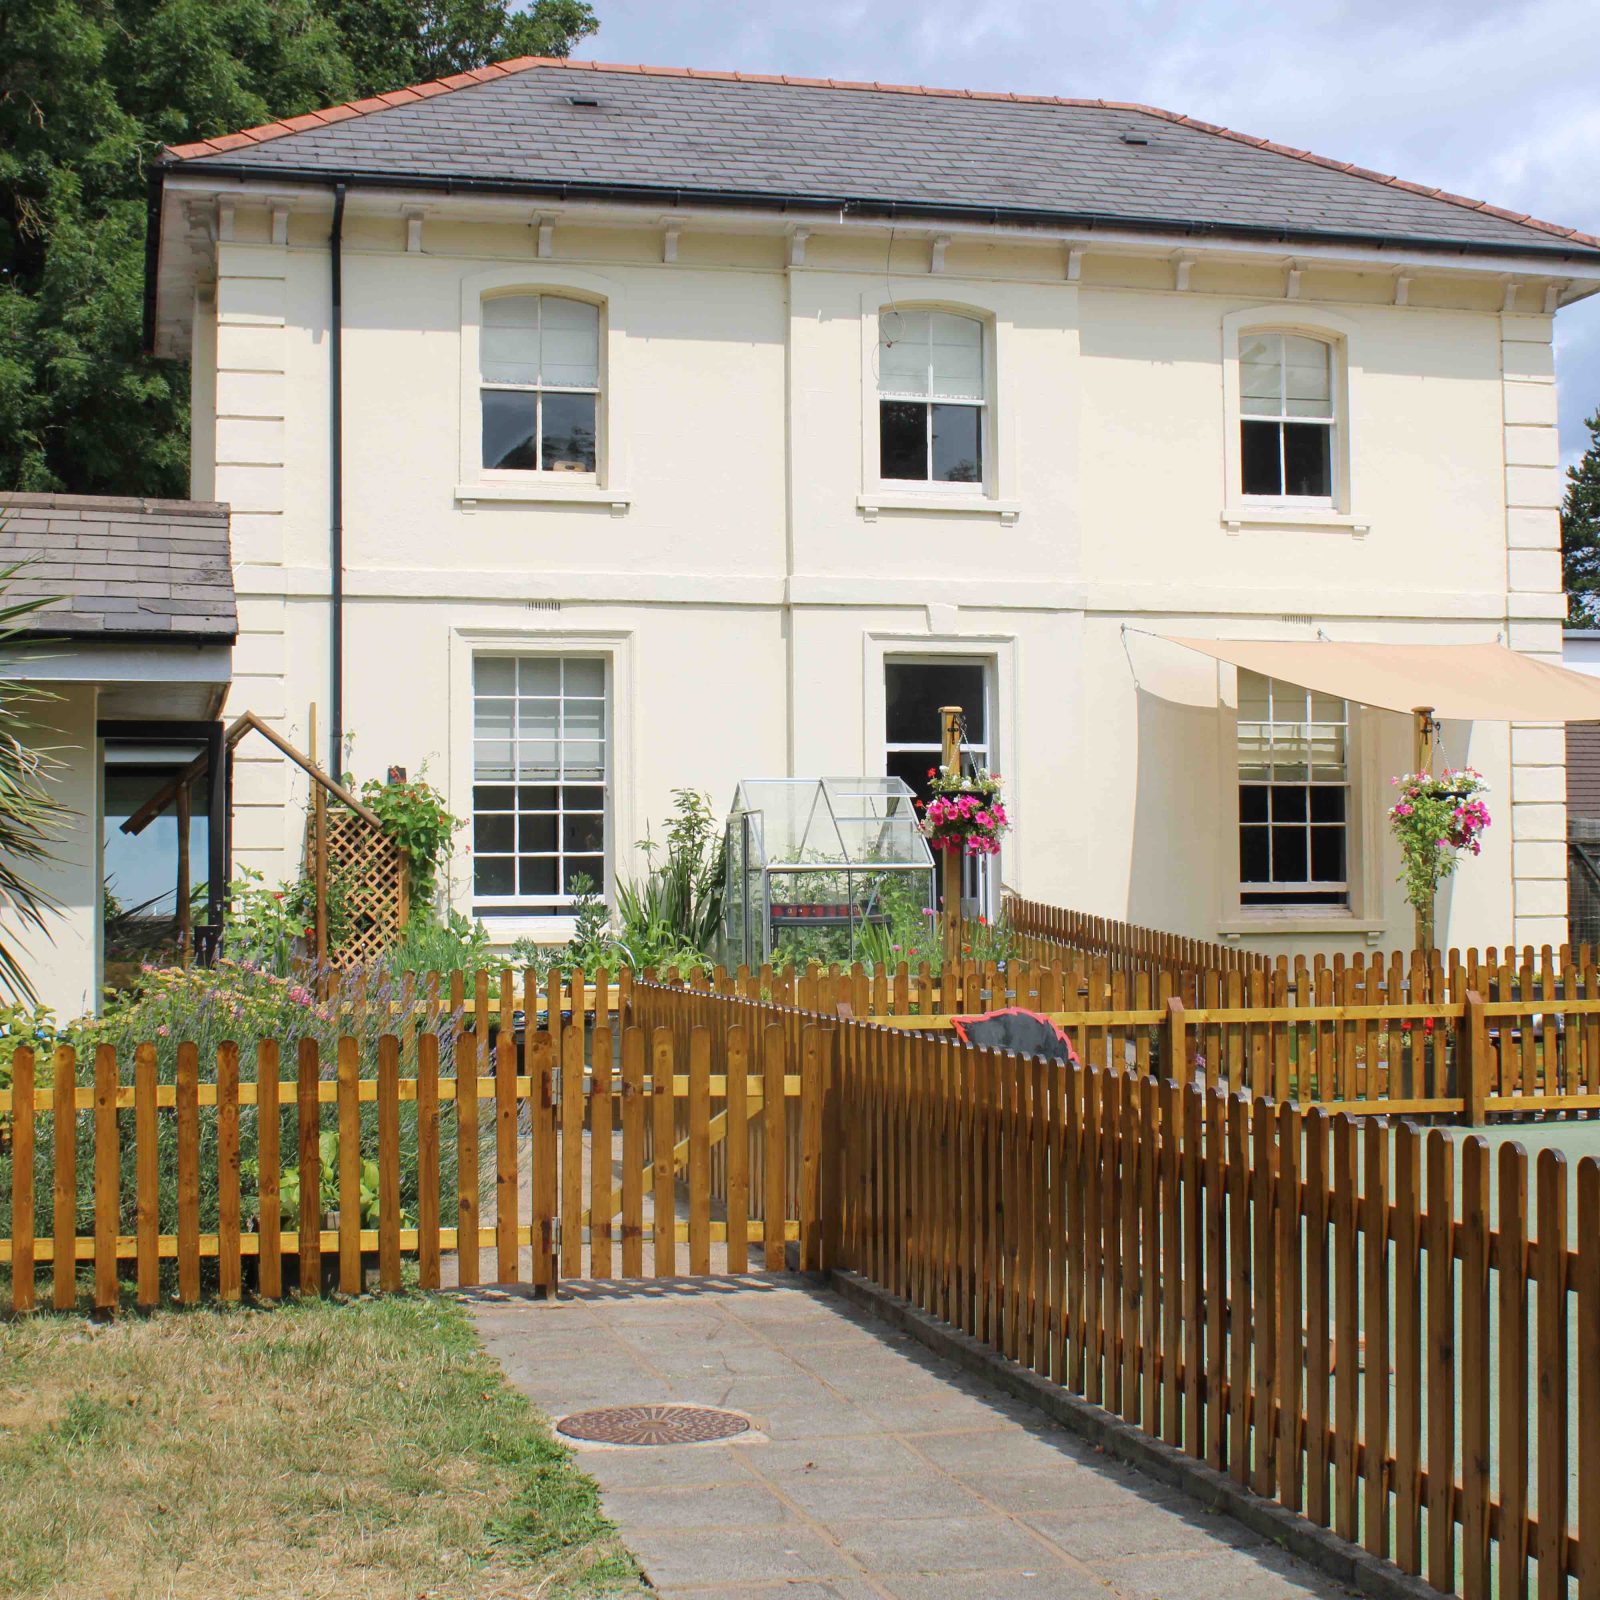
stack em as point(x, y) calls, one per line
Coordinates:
point(1580, 535)
point(90, 90)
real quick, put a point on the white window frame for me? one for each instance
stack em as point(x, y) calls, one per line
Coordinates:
point(996, 494)
point(540, 389)
point(1295, 697)
point(1281, 418)
point(1340, 511)
point(928, 401)
point(518, 905)
point(1364, 892)
point(987, 869)
point(621, 818)
point(608, 484)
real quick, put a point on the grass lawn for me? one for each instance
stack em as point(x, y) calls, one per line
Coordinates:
point(318, 1449)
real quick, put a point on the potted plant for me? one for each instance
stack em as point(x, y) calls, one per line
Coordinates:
point(966, 813)
point(1437, 819)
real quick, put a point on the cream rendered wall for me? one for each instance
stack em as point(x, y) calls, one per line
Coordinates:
point(63, 961)
point(749, 575)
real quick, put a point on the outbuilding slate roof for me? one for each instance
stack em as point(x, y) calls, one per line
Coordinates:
point(672, 132)
point(121, 567)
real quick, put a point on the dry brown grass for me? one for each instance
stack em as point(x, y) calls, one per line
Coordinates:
point(311, 1451)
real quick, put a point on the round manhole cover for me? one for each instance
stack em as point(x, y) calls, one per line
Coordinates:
point(653, 1425)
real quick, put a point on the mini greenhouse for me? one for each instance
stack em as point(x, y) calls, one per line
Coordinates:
point(826, 869)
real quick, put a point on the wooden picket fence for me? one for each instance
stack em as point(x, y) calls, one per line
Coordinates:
point(585, 1152)
point(1291, 1296)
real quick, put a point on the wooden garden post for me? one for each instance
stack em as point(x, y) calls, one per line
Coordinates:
point(1423, 758)
point(185, 920)
point(951, 862)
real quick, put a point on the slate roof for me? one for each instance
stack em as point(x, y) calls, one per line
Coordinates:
point(121, 567)
point(672, 133)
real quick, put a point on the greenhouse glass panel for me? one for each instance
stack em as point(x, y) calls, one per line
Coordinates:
point(827, 869)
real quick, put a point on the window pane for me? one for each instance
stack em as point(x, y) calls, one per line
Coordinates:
point(591, 867)
point(583, 833)
point(1253, 862)
point(585, 720)
point(585, 677)
point(1327, 805)
point(494, 832)
point(539, 675)
point(493, 875)
point(571, 343)
point(583, 758)
point(957, 446)
point(491, 760)
point(1288, 855)
point(913, 693)
point(1252, 802)
point(583, 799)
point(536, 875)
point(1254, 750)
point(1255, 697)
point(1288, 804)
point(902, 439)
point(902, 352)
point(1327, 855)
point(494, 675)
point(491, 719)
point(1259, 466)
point(536, 758)
point(537, 797)
point(569, 437)
point(537, 833)
point(510, 422)
point(488, 798)
point(536, 719)
point(957, 357)
point(508, 343)
point(1260, 374)
point(1308, 377)
point(1308, 458)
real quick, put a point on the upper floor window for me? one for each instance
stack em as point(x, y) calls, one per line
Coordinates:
point(539, 364)
point(1294, 785)
point(1286, 416)
point(930, 397)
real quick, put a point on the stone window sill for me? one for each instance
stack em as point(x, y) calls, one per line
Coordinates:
point(544, 492)
point(1235, 518)
point(968, 505)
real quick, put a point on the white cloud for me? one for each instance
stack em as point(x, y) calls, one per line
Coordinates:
point(1490, 99)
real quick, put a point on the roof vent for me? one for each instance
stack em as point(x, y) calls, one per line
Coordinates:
point(1134, 136)
point(582, 100)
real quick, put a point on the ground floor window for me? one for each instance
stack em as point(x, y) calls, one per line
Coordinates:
point(540, 774)
point(1294, 795)
point(913, 691)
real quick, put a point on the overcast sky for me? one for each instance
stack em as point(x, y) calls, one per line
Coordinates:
point(1500, 101)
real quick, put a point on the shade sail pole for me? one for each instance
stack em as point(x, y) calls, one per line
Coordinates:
point(1425, 727)
point(950, 868)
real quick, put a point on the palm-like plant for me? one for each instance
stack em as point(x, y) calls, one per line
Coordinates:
point(30, 816)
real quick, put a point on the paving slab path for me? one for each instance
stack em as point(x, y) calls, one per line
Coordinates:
point(877, 1469)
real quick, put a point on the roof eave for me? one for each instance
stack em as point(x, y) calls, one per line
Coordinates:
point(875, 207)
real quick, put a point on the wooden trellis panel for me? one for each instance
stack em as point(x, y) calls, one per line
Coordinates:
point(378, 893)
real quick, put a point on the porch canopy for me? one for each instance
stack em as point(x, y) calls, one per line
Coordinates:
point(1457, 682)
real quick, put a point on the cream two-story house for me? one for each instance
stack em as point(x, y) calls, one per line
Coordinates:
point(593, 431)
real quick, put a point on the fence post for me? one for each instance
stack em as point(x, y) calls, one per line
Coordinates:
point(1474, 1060)
point(1177, 1040)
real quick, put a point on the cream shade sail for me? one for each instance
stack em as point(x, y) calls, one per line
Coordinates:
point(1465, 682)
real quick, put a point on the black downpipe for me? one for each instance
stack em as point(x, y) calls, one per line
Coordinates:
point(336, 487)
